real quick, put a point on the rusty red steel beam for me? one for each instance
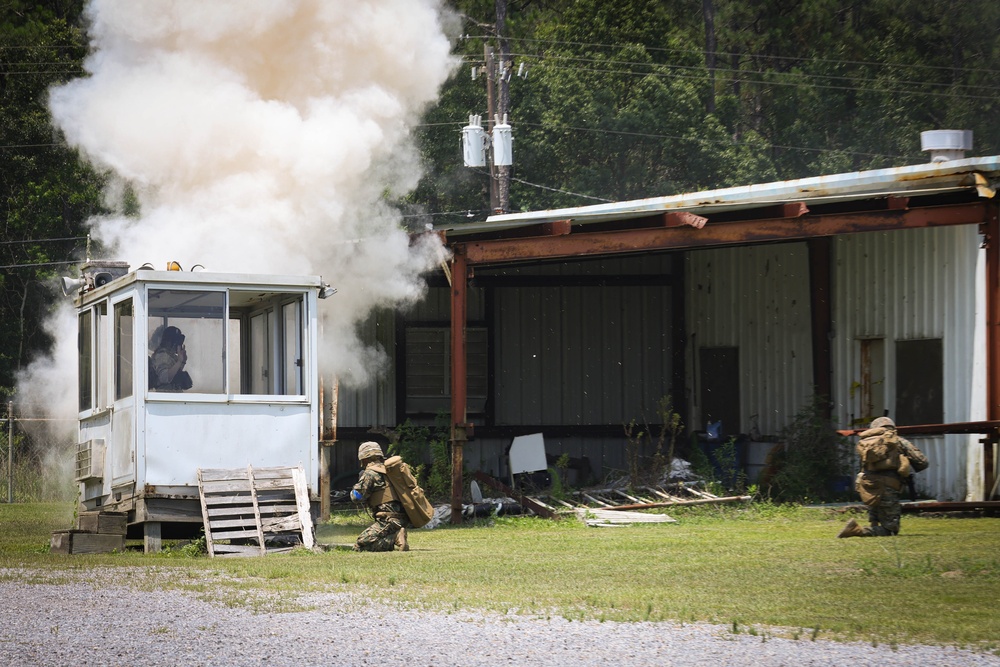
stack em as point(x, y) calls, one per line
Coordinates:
point(729, 233)
point(990, 229)
point(990, 426)
point(459, 307)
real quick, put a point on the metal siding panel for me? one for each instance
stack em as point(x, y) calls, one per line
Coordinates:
point(908, 285)
point(373, 404)
point(610, 369)
point(756, 299)
point(507, 340)
point(571, 336)
point(550, 357)
point(581, 355)
point(530, 388)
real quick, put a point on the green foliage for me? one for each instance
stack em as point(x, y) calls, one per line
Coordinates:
point(196, 548)
point(733, 477)
point(813, 456)
point(46, 193)
point(650, 450)
point(622, 100)
point(426, 449)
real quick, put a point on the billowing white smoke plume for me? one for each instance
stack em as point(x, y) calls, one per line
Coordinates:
point(264, 137)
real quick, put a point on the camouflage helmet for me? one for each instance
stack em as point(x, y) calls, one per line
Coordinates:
point(369, 450)
point(883, 422)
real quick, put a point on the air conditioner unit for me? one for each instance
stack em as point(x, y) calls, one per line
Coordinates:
point(90, 460)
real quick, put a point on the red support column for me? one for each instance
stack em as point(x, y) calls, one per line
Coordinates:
point(991, 234)
point(459, 428)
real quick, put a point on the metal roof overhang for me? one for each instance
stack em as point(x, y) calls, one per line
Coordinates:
point(934, 194)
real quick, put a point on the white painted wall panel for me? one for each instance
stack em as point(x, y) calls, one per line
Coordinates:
point(908, 285)
point(756, 299)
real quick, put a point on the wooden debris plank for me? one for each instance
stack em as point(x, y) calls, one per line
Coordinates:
point(256, 512)
point(700, 494)
point(228, 486)
point(598, 516)
point(659, 492)
point(235, 534)
point(237, 550)
point(281, 524)
point(304, 507)
point(548, 507)
point(595, 500)
point(222, 474)
point(279, 509)
point(628, 497)
point(243, 522)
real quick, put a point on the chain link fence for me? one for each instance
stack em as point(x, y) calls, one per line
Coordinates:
point(36, 457)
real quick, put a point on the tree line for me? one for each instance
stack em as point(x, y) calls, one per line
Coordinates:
point(609, 101)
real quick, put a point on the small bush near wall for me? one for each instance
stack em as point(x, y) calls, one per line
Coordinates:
point(812, 459)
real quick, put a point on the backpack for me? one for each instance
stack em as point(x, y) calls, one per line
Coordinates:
point(879, 450)
point(410, 495)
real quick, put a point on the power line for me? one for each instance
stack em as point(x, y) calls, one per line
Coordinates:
point(703, 68)
point(700, 73)
point(31, 266)
point(564, 192)
point(65, 238)
point(702, 53)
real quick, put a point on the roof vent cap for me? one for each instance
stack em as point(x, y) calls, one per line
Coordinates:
point(944, 145)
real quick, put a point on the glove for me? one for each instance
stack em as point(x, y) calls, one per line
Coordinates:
point(355, 495)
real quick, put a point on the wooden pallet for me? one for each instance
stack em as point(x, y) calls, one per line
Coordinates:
point(245, 509)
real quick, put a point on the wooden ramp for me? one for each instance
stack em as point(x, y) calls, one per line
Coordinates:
point(247, 509)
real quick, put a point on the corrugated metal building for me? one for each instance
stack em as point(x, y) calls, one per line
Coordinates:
point(870, 288)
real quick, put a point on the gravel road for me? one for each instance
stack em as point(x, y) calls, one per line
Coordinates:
point(121, 616)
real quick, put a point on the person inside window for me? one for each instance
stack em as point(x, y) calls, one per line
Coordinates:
point(167, 363)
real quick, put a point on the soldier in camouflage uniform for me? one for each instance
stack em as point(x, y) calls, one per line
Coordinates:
point(373, 488)
point(880, 488)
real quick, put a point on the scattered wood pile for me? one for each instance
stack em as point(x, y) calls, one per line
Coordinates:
point(616, 506)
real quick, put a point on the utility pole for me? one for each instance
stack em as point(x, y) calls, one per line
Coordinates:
point(503, 105)
point(497, 138)
point(491, 75)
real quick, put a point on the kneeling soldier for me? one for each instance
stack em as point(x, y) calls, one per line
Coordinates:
point(373, 488)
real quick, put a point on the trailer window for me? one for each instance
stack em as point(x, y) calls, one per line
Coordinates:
point(291, 348)
point(271, 350)
point(187, 343)
point(123, 349)
point(85, 352)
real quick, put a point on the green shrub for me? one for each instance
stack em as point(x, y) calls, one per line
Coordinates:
point(812, 457)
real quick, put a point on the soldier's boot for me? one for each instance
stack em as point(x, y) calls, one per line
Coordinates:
point(401, 544)
point(852, 529)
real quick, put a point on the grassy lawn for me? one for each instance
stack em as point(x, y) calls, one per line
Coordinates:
point(750, 568)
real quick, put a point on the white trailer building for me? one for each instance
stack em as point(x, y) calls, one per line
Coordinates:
point(250, 349)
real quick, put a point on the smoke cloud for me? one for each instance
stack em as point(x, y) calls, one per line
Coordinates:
point(265, 137)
